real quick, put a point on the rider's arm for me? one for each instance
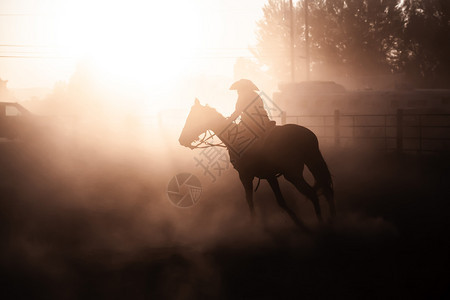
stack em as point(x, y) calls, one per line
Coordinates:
point(234, 115)
point(237, 110)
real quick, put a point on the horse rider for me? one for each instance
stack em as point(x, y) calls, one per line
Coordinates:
point(250, 107)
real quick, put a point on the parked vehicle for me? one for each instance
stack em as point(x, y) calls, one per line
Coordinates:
point(16, 122)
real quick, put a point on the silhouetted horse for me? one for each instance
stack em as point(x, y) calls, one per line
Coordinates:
point(284, 151)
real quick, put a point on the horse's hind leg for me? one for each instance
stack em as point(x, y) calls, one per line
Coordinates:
point(273, 181)
point(318, 167)
point(303, 187)
point(329, 195)
point(247, 182)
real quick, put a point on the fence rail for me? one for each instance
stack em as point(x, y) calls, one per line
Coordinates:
point(403, 131)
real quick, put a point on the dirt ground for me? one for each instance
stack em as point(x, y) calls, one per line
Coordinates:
point(82, 221)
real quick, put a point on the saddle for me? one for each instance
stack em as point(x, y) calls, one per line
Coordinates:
point(248, 142)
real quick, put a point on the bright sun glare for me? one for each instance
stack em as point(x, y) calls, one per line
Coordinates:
point(145, 41)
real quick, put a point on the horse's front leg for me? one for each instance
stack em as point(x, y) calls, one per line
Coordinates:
point(273, 181)
point(247, 182)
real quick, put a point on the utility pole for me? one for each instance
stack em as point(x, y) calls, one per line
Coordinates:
point(292, 42)
point(305, 3)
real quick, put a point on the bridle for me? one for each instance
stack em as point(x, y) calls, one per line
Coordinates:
point(203, 142)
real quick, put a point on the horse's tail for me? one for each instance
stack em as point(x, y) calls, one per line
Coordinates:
point(318, 167)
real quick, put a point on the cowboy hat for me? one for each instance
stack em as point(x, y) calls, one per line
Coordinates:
point(244, 84)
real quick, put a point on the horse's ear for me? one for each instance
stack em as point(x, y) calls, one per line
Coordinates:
point(196, 102)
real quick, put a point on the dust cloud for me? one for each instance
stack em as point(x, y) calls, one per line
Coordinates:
point(87, 215)
point(84, 213)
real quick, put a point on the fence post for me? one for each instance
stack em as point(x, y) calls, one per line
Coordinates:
point(337, 140)
point(399, 130)
point(283, 117)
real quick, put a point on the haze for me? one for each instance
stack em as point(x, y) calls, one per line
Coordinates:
point(152, 47)
point(85, 178)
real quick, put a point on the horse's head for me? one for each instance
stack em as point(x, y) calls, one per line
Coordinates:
point(198, 121)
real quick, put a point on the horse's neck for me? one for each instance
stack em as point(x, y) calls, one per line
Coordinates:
point(218, 124)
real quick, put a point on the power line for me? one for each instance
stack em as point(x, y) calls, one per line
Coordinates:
point(221, 10)
point(36, 57)
point(27, 46)
point(47, 52)
point(184, 58)
point(206, 48)
point(23, 15)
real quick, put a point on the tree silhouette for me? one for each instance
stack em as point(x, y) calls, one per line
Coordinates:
point(273, 39)
point(354, 38)
point(426, 41)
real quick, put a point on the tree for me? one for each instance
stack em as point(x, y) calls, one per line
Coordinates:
point(356, 39)
point(273, 39)
point(347, 37)
point(355, 36)
point(426, 42)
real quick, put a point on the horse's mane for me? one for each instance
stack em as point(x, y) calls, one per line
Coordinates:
point(213, 110)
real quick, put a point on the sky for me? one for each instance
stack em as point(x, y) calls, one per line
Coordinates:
point(142, 41)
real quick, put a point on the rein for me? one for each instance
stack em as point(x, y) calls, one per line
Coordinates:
point(204, 141)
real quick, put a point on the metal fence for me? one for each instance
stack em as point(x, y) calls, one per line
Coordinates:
point(404, 131)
